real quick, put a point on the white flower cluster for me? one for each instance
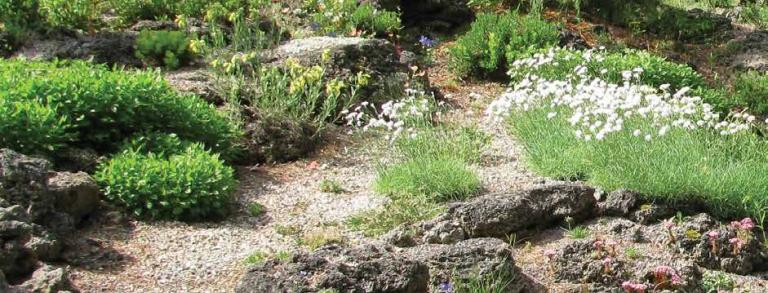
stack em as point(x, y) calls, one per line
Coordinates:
point(395, 117)
point(596, 108)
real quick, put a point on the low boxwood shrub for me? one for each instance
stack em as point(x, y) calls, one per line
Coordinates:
point(163, 48)
point(495, 40)
point(189, 183)
point(103, 106)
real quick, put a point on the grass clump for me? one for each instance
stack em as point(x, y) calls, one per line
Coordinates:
point(717, 282)
point(163, 48)
point(495, 40)
point(437, 179)
point(188, 183)
point(320, 237)
point(255, 209)
point(330, 186)
point(394, 213)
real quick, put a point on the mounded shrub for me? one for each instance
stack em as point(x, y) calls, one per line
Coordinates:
point(495, 40)
point(163, 177)
point(103, 106)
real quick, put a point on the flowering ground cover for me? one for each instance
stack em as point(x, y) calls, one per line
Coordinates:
point(668, 145)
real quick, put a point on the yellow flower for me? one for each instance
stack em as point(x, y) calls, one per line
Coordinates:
point(363, 78)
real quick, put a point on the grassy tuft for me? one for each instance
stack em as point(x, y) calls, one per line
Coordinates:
point(437, 179)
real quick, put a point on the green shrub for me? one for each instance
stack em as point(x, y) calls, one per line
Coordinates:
point(79, 14)
point(609, 66)
point(32, 128)
point(751, 91)
point(163, 48)
point(495, 40)
point(103, 107)
point(190, 184)
point(437, 179)
point(345, 16)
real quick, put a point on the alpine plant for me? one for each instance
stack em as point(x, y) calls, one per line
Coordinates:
point(596, 108)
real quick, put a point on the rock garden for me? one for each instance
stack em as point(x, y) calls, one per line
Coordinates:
point(446, 146)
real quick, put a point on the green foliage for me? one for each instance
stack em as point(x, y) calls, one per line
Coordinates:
point(437, 179)
point(31, 128)
point(578, 232)
point(496, 281)
point(102, 107)
point(408, 210)
point(714, 282)
point(256, 258)
point(130, 11)
point(657, 70)
point(347, 16)
point(304, 94)
point(255, 209)
point(70, 13)
point(465, 144)
point(330, 186)
point(751, 91)
point(495, 40)
point(755, 13)
point(163, 48)
point(186, 184)
point(632, 252)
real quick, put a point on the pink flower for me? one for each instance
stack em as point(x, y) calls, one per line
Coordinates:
point(598, 244)
point(611, 242)
point(633, 287)
point(663, 270)
point(668, 223)
point(607, 260)
point(676, 280)
point(550, 253)
point(736, 224)
point(737, 244)
point(713, 235)
point(747, 224)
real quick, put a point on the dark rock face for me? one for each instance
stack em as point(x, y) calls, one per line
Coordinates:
point(76, 194)
point(23, 181)
point(619, 203)
point(37, 208)
point(112, 48)
point(751, 52)
point(469, 259)
point(434, 15)
point(383, 268)
point(361, 269)
point(16, 259)
point(47, 279)
point(499, 215)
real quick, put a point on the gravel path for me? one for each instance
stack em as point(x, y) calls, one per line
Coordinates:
point(138, 256)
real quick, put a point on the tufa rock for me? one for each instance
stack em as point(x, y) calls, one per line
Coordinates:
point(619, 203)
point(367, 268)
point(47, 279)
point(76, 194)
point(23, 182)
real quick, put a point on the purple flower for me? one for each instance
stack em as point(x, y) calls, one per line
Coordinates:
point(445, 287)
point(427, 42)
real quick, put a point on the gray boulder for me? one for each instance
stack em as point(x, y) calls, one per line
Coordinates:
point(23, 182)
point(366, 268)
point(348, 56)
point(76, 194)
point(470, 259)
point(196, 81)
point(619, 203)
point(751, 52)
point(16, 259)
point(47, 279)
